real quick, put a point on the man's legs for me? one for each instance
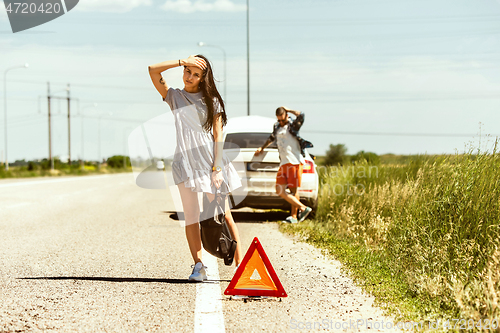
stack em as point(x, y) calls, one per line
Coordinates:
point(292, 199)
point(291, 176)
point(295, 193)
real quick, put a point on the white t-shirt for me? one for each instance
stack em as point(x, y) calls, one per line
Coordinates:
point(288, 147)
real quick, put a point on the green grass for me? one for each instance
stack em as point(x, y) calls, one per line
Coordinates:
point(369, 269)
point(23, 172)
point(422, 236)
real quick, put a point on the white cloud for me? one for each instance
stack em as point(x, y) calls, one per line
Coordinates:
point(111, 6)
point(3, 14)
point(188, 6)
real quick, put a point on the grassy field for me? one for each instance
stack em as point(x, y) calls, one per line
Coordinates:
point(24, 172)
point(43, 168)
point(421, 234)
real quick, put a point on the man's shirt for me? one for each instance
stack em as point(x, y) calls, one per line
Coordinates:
point(288, 147)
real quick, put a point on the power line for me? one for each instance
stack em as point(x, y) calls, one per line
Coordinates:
point(94, 101)
point(29, 122)
point(382, 36)
point(373, 98)
point(295, 21)
point(397, 134)
point(81, 85)
point(26, 120)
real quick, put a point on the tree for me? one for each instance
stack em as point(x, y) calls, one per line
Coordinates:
point(336, 154)
point(32, 166)
point(369, 157)
point(118, 161)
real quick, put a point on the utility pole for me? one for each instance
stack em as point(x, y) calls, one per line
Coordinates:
point(69, 130)
point(50, 132)
point(68, 99)
point(5, 111)
point(248, 60)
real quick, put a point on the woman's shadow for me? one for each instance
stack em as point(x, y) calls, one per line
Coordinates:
point(119, 279)
point(242, 216)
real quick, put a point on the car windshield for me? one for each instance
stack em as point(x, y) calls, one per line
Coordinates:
point(247, 140)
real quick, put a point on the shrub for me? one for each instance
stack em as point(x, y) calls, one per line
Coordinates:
point(45, 164)
point(369, 157)
point(117, 161)
point(335, 155)
point(32, 166)
point(436, 219)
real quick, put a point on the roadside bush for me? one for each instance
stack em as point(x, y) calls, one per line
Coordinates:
point(369, 157)
point(45, 164)
point(117, 161)
point(32, 166)
point(335, 155)
point(58, 165)
point(436, 220)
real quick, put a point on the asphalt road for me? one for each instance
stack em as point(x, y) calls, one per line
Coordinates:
point(100, 254)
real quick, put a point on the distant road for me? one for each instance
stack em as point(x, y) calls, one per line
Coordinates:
point(98, 253)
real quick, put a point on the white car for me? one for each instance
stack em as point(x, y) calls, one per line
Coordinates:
point(258, 173)
point(160, 165)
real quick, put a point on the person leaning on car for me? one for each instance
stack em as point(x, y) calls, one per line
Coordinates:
point(291, 151)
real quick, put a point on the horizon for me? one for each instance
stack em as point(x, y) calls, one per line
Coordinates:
point(385, 77)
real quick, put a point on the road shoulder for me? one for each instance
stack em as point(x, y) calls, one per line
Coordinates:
point(318, 292)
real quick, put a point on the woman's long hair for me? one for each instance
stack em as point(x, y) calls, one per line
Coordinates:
point(211, 96)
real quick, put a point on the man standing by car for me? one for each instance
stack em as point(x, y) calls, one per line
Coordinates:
point(291, 150)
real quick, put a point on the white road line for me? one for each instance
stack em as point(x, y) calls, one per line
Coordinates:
point(36, 182)
point(18, 205)
point(208, 316)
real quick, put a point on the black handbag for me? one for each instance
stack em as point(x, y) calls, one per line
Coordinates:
point(215, 235)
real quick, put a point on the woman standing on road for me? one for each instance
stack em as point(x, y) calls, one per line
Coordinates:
point(199, 162)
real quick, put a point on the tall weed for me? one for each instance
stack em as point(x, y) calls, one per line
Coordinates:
point(436, 218)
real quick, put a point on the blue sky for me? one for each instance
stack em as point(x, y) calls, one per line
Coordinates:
point(402, 77)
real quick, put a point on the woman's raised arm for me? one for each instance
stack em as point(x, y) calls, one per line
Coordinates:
point(155, 73)
point(156, 70)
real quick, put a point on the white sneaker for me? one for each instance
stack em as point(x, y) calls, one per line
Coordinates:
point(199, 273)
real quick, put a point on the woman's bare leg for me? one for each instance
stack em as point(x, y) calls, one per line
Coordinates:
point(238, 257)
point(233, 229)
point(191, 215)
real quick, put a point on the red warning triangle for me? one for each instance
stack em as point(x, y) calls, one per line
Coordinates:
point(255, 276)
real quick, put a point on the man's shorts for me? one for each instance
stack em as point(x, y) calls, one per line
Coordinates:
point(290, 175)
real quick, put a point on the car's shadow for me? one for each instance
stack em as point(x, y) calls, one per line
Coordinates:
point(244, 216)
